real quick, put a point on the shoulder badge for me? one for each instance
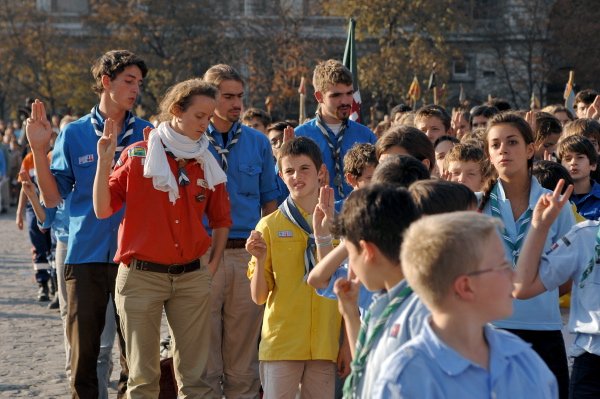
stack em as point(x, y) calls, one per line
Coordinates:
point(136, 152)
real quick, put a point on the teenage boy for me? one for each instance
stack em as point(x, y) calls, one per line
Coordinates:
point(372, 223)
point(300, 331)
point(466, 164)
point(458, 354)
point(575, 256)
point(246, 157)
point(578, 155)
point(332, 129)
point(256, 119)
point(89, 269)
point(583, 100)
point(434, 121)
point(480, 114)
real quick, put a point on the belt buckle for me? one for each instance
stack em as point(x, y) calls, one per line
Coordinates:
point(176, 269)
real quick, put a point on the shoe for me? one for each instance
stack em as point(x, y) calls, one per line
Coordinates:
point(54, 304)
point(43, 292)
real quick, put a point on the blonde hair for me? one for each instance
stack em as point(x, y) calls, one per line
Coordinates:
point(330, 72)
point(438, 249)
point(181, 94)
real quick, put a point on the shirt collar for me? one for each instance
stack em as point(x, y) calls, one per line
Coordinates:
point(502, 346)
point(535, 191)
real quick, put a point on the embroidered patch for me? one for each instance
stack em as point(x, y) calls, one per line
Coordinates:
point(202, 183)
point(395, 330)
point(136, 152)
point(86, 159)
point(285, 234)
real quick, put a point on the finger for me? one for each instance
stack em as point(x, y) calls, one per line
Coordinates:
point(558, 189)
point(42, 111)
point(567, 195)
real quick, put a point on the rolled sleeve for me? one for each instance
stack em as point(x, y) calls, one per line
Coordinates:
point(218, 208)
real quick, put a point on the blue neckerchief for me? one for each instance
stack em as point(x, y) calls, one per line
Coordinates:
point(291, 212)
point(223, 152)
point(335, 145)
point(122, 139)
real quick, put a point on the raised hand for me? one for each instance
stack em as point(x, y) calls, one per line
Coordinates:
point(288, 134)
point(27, 184)
point(38, 128)
point(108, 142)
point(593, 111)
point(256, 245)
point(323, 214)
point(530, 118)
point(346, 290)
point(549, 206)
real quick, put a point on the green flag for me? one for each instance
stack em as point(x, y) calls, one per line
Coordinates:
point(349, 62)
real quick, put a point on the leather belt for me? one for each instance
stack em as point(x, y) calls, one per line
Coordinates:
point(170, 269)
point(235, 243)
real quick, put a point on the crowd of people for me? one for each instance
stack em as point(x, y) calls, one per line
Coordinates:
point(424, 258)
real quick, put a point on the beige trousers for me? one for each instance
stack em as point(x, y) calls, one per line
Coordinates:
point(281, 379)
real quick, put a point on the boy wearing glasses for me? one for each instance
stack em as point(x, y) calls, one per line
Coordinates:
point(458, 354)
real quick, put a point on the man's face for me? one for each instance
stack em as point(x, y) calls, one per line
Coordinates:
point(336, 102)
point(432, 126)
point(479, 121)
point(124, 89)
point(229, 101)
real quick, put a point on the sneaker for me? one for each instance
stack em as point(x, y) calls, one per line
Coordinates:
point(43, 292)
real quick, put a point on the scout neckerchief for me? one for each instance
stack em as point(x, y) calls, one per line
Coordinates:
point(336, 150)
point(514, 246)
point(223, 152)
point(123, 140)
point(593, 262)
point(293, 214)
point(364, 344)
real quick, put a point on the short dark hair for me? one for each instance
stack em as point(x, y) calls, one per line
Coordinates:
point(482, 110)
point(443, 138)
point(279, 126)
point(400, 170)
point(378, 214)
point(112, 64)
point(586, 96)
point(500, 104)
point(414, 141)
point(431, 110)
point(548, 173)
point(358, 158)
point(301, 146)
point(578, 144)
point(441, 196)
point(262, 115)
point(400, 108)
point(546, 124)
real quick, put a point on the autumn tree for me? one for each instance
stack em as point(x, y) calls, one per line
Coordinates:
point(401, 38)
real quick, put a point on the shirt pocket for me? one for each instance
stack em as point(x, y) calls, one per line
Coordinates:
point(249, 178)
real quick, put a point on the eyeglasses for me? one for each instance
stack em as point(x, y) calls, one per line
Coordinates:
point(505, 267)
point(276, 142)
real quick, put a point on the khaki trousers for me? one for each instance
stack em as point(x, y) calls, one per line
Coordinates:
point(235, 329)
point(140, 298)
point(280, 379)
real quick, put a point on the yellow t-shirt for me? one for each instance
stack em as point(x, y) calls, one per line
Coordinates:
point(298, 324)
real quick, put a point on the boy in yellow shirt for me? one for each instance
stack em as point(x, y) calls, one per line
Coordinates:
point(301, 329)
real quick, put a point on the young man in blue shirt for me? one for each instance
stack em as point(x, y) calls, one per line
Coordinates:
point(245, 155)
point(332, 129)
point(456, 264)
point(90, 271)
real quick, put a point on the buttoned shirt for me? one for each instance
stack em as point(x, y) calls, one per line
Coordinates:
point(428, 368)
point(540, 312)
point(572, 257)
point(588, 205)
point(354, 133)
point(251, 179)
point(74, 160)
point(153, 228)
point(298, 324)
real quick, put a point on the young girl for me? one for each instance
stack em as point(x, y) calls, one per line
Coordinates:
point(168, 183)
point(547, 133)
point(512, 197)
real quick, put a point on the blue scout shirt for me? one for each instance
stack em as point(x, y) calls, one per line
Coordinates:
point(251, 179)
point(541, 312)
point(57, 219)
point(427, 368)
point(404, 324)
point(588, 205)
point(572, 257)
point(354, 133)
point(74, 160)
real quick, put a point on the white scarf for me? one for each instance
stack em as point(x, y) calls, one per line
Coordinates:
point(157, 167)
